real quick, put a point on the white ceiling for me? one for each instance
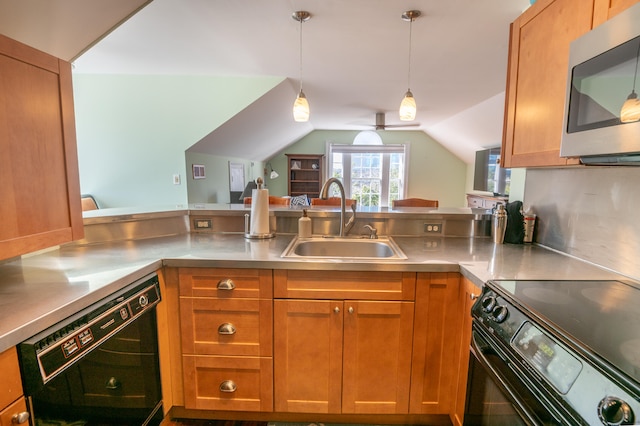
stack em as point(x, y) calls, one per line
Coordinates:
point(355, 57)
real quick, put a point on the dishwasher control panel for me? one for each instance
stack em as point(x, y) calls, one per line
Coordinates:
point(59, 346)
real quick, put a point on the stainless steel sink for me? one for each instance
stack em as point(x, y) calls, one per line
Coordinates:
point(343, 248)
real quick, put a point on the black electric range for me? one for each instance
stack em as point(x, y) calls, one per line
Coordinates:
point(577, 343)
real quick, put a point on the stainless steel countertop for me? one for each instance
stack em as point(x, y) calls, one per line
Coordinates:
point(42, 289)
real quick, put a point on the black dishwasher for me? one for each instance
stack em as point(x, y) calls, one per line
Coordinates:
point(99, 366)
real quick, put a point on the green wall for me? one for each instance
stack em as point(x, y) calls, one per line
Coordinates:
point(434, 172)
point(133, 131)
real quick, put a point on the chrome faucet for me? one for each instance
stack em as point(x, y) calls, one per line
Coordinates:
point(324, 193)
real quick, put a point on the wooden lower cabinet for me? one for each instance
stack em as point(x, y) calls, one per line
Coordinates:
point(13, 406)
point(467, 295)
point(228, 383)
point(226, 336)
point(335, 356)
point(341, 355)
point(434, 366)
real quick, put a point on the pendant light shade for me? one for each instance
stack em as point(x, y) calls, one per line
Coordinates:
point(408, 105)
point(301, 110)
point(630, 111)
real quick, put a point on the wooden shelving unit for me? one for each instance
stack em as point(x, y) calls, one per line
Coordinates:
point(305, 174)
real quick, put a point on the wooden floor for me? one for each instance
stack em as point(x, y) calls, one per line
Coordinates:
point(211, 423)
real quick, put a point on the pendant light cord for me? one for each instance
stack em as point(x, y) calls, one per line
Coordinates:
point(409, 70)
point(635, 75)
point(301, 20)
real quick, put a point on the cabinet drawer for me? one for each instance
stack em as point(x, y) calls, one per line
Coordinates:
point(226, 283)
point(9, 377)
point(301, 284)
point(248, 380)
point(20, 406)
point(226, 326)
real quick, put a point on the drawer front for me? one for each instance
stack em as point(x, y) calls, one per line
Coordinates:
point(475, 202)
point(9, 377)
point(301, 284)
point(226, 326)
point(6, 415)
point(228, 383)
point(226, 283)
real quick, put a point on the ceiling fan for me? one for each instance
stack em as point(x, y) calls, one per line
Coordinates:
point(380, 123)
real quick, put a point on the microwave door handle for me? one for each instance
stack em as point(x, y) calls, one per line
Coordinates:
point(481, 348)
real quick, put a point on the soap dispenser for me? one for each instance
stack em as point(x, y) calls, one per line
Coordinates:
point(304, 225)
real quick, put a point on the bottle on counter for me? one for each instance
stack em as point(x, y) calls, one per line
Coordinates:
point(529, 225)
point(304, 225)
point(499, 224)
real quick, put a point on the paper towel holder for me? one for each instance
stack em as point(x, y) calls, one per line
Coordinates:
point(247, 231)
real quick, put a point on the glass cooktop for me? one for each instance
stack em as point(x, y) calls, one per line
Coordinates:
point(603, 316)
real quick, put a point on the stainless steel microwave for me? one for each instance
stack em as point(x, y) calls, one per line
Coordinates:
point(603, 74)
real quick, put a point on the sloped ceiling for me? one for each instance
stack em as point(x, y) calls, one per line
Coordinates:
point(64, 28)
point(355, 59)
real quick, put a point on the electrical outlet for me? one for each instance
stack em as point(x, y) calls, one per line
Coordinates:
point(176, 179)
point(433, 228)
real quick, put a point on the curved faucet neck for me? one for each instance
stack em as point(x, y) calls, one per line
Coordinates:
point(324, 192)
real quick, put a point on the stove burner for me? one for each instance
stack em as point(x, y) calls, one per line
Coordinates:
point(607, 298)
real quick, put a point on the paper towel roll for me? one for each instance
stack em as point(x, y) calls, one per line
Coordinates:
point(259, 224)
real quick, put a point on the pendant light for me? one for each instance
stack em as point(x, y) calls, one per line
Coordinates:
point(630, 111)
point(408, 104)
point(301, 105)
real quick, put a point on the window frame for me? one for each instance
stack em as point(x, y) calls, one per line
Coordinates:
point(386, 150)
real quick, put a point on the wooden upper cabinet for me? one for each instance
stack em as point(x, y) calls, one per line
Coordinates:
point(537, 79)
point(40, 189)
point(607, 9)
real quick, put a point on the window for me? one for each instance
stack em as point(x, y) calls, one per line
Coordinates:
point(372, 174)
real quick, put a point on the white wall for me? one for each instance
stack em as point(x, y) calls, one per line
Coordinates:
point(133, 131)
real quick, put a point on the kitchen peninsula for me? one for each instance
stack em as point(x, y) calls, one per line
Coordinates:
point(122, 245)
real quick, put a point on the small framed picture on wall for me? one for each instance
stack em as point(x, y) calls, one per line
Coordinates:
point(198, 171)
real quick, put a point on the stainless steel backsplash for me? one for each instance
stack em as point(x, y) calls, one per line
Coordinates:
point(591, 213)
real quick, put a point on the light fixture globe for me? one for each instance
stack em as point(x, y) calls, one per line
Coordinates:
point(408, 107)
point(301, 108)
point(630, 111)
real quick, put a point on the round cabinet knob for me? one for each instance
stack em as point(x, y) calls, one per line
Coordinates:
point(20, 418)
point(500, 313)
point(351, 310)
point(473, 296)
point(336, 310)
point(488, 303)
point(614, 411)
point(143, 300)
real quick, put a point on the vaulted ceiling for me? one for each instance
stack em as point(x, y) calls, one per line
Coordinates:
point(355, 58)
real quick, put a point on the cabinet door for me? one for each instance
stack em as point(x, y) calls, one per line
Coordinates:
point(467, 295)
point(607, 9)
point(307, 355)
point(40, 189)
point(377, 357)
point(9, 377)
point(537, 79)
point(436, 323)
